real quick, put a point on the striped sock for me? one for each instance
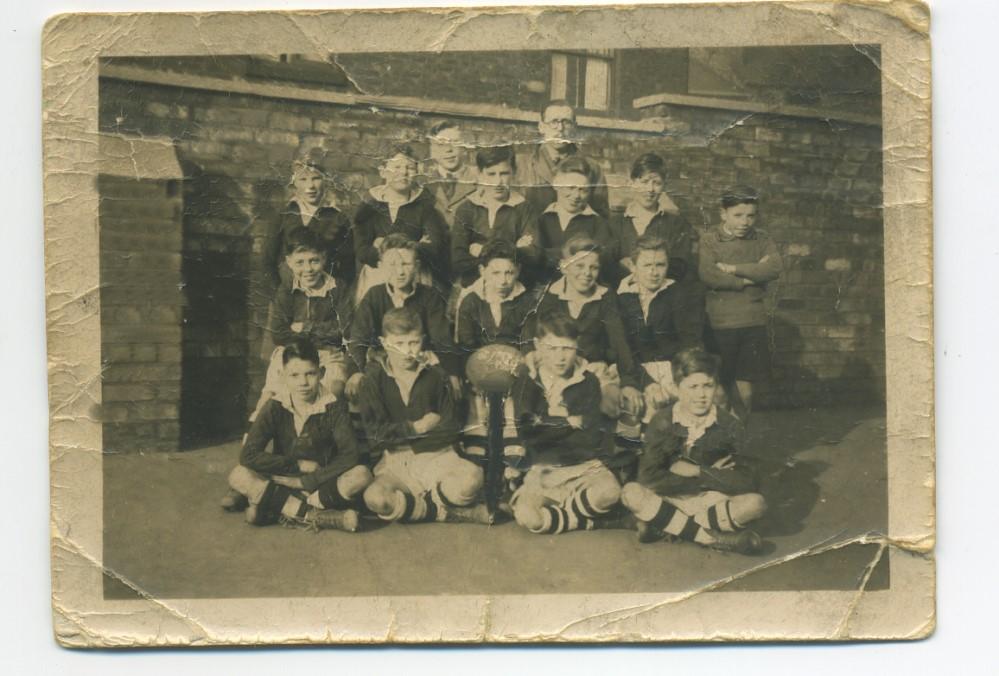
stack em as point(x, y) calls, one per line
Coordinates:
point(669, 519)
point(418, 509)
point(717, 517)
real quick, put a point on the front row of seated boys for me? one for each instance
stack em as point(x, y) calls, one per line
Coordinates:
point(589, 370)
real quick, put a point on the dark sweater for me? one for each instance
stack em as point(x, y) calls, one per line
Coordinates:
point(323, 316)
point(333, 227)
point(471, 226)
point(476, 326)
point(665, 444)
point(327, 438)
point(388, 420)
point(601, 331)
point(414, 219)
point(730, 303)
point(550, 439)
point(672, 228)
point(552, 237)
point(675, 320)
point(366, 327)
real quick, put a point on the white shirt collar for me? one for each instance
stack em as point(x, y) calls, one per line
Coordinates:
point(560, 287)
point(478, 198)
point(630, 285)
point(696, 425)
point(328, 285)
point(564, 217)
point(323, 399)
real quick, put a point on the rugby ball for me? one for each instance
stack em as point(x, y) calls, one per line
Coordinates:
point(493, 368)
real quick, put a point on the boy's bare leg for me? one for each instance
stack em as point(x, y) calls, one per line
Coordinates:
point(461, 484)
point(659, 516)
point(390, 499)
point(596, 499)
point(733, 514)
point(346, 491)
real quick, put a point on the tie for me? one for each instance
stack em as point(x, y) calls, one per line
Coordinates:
point(449, 184)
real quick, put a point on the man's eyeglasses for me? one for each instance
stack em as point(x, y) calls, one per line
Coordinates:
point(563, 122)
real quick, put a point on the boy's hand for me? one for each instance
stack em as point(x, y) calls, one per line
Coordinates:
point(511, 473)
point(426, 423)
point(289, 481)
point(726, 268)
point(632, 402)
point(575, 421)
point(685, 468)
point(524, 241)
point(746, 282)
point(297, 327)
point(728, 462)
point(475, 249)
point(378, 242)
point(765, 258)
point(426, 240)
point(353, 385)
point(307, 466)
point(655, 396)
point(456, 386)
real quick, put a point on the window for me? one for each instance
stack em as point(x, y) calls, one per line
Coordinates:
point(584, 79)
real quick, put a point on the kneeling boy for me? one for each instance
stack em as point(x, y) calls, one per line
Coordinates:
point(692, 482)
point(314, 473)
point(409, 413)
point(557, 405)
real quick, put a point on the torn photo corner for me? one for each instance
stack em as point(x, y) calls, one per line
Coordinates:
point(491, 325)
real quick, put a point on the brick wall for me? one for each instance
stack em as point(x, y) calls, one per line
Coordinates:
point(821, 182)
point(141, 306)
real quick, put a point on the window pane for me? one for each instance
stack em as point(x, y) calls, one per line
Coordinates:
point(560, 66)
point(597, 84)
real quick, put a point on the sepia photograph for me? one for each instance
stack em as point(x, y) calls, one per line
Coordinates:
point(583, 324)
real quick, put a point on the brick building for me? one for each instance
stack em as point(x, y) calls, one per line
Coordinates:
point(182, 298)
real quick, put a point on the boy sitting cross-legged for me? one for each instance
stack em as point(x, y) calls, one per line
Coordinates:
point(557, 405)
point(410, 418)
point(314, 473)
point(692, 483)
point(661, 316)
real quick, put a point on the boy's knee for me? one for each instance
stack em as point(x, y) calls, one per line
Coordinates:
point(463, 482)
point(246, 481)
point(528, 516)
point(605, 492)
point(632, 495)
point(380, 498)
point(753, 505)
point(354, 480)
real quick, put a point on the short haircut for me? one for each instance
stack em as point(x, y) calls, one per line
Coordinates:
point(694, 360)
point(403, 149)
point(560, 103)
point(442, 126)
point(303, 239)
point(558, 324)
point(300, 348)
point(649, 243)
point(576, 165)
point(400, 320)
point(498, 248)
point(309, 158)
point(740, 194)
point(493, 155)
point(649, 163)
point(398, 241)
point(580, 244)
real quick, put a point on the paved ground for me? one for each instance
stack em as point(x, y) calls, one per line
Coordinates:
point(165, 534)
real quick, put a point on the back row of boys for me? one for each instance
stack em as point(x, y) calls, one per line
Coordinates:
point(360, 309)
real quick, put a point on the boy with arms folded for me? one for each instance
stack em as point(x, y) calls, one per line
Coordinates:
point(410, 419)
point(736, 262)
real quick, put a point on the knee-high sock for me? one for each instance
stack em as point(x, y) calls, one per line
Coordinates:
point(717, 517)
point(669, 519)
point(329, 497)
point(580, 514)
point(413, 509)
point(280, 501)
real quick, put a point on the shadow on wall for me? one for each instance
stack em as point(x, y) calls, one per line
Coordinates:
point(216, 257)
